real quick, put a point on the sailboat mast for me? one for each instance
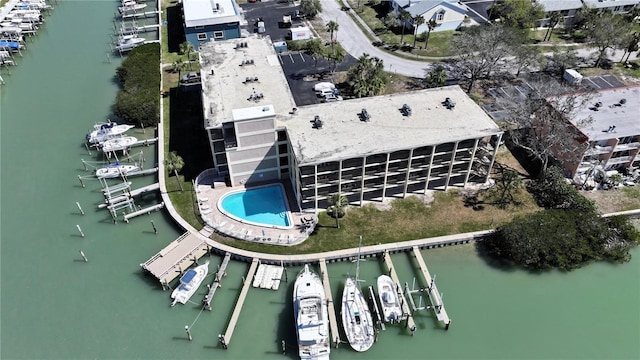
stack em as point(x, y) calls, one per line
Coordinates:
point(358, 260)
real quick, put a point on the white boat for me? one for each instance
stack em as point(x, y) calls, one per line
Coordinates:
point(312, 317)
point(128, 6)
point(189, 284)
point(106, 131)
point(115, 170)
point(120, 143)
point(356, 317)
point(389, 300)
point(128, 42)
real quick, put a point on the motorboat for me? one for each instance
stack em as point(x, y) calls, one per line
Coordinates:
point(356, 317)
point(120, 143)
point(107, 131)
point(128, 6)
point(311, 315)
point(389, 300)
point(115, 170)
point(189, 284)
point(128, 42)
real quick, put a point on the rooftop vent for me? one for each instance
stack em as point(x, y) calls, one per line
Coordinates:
point(317, 123)
point(448, 103)
point(241, 45)
point(364, 115)
point(406, 110)
point(250, 79)
point(247, 62)
point(623, 101)
point(255, 96)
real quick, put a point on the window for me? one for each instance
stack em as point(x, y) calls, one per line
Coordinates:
point(200, 27)
point(202, 36)
point(440, 16)
point(218, 34)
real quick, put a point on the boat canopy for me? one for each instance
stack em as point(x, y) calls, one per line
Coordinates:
point(188, 276)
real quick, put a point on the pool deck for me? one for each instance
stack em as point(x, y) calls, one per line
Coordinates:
point(211, 189)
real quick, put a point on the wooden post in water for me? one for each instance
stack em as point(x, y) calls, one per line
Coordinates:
point(80, 178)
point(155, 230)
point(80, 230)
point(83, 256)
point(186, 327)
point(79, 208)
point(88, 151)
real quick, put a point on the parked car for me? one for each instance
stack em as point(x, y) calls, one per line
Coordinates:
point(191, 78)
point(331, 98)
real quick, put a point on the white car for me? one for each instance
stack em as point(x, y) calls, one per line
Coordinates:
point(331, 98)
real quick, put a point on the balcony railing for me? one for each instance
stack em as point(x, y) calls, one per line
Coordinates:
point(598, 150)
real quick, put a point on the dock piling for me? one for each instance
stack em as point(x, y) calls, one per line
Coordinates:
point(81, 182)
point(83, 256)
point(186, 327)
point(80, 230)
point(155, 230)
point(79, 208)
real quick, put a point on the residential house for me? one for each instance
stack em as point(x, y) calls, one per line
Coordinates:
point(211, 20)
point(569, 8)
point(449, 14)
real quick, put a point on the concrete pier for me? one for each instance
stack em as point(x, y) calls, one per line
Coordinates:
point(217, 282)
point(434, 296)
point(143, 211)
point(406, 311)
point(226, 338)
point(333, 321)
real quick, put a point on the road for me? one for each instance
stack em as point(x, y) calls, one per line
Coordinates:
point(356, 43)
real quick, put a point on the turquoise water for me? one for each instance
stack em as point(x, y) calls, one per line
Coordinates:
point(53, 305)
point(262, 205)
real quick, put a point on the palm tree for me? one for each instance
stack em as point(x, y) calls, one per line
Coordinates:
point(437, 77)
point(315, 49)
point(431, 24)
point(367, 76)
point(335, 55)
point(554, 19)
point(187, 48)
point(332, 27)
point(174, 163)
point(337, 203)
point(404, 17)
point(178, 66)
point(417, 21)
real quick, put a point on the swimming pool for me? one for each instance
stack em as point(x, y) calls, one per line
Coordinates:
point(262, 206)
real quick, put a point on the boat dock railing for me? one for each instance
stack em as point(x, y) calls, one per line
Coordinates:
point(434, 296)
point(226, 338)
point(217, 281)
point(333, 321)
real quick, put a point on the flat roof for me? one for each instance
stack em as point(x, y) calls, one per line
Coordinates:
point(559, 5)
point(209, 12)
point(343, 135)
point(625, 117)
point(227, 65)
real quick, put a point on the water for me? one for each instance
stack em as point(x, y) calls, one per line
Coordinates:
point(55, 306)
point(262, 206)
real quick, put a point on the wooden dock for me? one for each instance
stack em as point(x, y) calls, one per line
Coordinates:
point(434, 296)
point(146, 210)
point(406, 311)
point(226, 338)
point(217, 281)
point(333, 321)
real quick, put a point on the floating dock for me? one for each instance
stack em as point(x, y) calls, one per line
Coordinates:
point(226, 338)
point(175, 258)
point(217, 282)
point(434, 296)
point(406, 312)
point(268, 277)
point(333, 321)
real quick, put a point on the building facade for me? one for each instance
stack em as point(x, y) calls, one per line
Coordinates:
point(448, 14)
point(211, 20)
point(367, 149)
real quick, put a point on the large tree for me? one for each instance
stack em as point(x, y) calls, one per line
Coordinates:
point(186, 48)
point(436, 77)
point(367, 76)
point(518, 13)
point(337, 204)
point(310, 8)
point(538, 122)
point(335, 55)
point(554, 19)
point(482, 50)
point(606, 31)
point(526, 57)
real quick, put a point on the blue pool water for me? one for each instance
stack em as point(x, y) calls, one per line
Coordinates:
point(261, 206)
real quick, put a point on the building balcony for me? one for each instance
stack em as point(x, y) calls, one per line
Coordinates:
point(619, 160)
point(628, 146)
point(598, 150)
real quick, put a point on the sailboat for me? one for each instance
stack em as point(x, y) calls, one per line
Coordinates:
point(356, 317)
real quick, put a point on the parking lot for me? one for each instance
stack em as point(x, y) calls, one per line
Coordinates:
point(298, 67)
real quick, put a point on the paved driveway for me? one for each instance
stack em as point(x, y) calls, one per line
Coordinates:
point(271, 13)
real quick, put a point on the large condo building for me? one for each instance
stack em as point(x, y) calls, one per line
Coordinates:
point(367, 149)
